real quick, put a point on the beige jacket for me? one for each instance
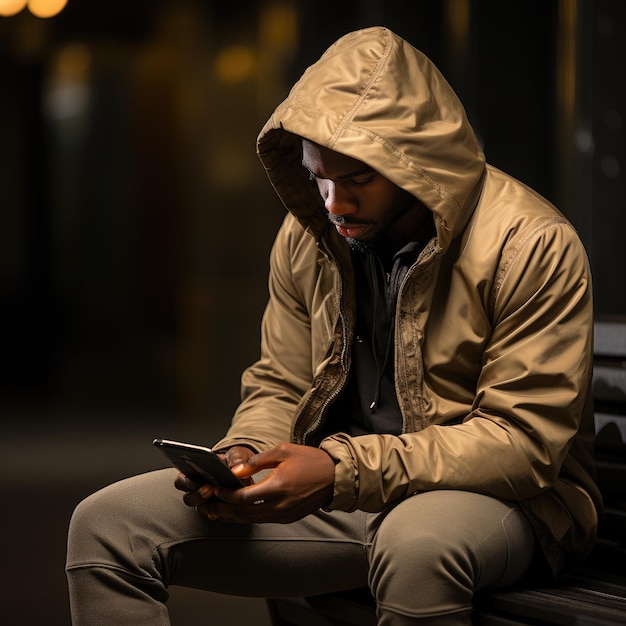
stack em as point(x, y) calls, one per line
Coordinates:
point(493, 337)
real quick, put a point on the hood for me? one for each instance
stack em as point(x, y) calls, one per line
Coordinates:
point(374, 97)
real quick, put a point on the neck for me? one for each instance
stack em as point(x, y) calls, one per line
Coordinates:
point(406, 228)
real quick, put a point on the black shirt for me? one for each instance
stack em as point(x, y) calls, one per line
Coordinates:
point(368, 403)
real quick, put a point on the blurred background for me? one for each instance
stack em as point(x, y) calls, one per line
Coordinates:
point(136, 221)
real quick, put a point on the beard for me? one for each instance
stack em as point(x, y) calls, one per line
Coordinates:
point(388, 219)
point(362, 246)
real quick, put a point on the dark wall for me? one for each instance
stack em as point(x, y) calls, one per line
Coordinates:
point(605, 91)
point(135, 234)
point(135, 221)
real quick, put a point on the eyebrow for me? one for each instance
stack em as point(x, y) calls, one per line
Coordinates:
point(365, 170)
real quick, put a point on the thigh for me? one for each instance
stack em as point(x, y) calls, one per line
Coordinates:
point(435, 549)
point(318, 554)
point(142, 525)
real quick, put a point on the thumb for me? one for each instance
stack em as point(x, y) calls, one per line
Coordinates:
point(242, 470)
point(237, 455)
point(267, 459)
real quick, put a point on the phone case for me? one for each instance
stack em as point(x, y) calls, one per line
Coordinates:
point(200, 464)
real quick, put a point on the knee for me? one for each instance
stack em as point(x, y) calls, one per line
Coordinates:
point(116, 519)
point(435, 549)
point(421, 563)
point(91, 525)
point(127, 521)
point(419, 575)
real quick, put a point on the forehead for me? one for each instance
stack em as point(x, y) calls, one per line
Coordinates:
point(328, 163)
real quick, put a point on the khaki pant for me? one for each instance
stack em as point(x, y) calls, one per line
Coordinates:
point(423, 559)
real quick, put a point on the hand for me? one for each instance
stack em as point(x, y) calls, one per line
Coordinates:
point(234, 456)
point(301, 482)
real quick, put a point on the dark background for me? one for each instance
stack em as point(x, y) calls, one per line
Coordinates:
point(135, 220)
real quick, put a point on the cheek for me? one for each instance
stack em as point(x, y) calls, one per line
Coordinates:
point(403, 198)
point(389, 201)
point(391, 195)
point(322, 187)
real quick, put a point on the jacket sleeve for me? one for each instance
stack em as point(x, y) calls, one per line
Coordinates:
point(529, 398)
point(273, 386)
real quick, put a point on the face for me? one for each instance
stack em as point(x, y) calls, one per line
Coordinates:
point(364, 206)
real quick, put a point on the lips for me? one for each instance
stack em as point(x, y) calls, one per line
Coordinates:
point(354, 231)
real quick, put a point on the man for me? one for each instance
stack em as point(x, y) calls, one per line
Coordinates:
point(422, 395)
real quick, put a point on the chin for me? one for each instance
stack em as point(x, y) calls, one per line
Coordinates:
point(362, 245)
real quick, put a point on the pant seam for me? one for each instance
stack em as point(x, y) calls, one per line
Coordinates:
point(391, 609)
point(106, 566)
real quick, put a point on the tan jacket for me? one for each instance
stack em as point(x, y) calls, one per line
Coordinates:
point(493, 336)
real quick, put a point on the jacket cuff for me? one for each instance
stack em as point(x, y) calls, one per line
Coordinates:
point(346, 473)
point(254, 444)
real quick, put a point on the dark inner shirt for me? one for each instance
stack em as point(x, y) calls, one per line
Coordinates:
point(368, 402)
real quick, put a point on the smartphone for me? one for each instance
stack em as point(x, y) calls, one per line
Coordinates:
point(200, 464)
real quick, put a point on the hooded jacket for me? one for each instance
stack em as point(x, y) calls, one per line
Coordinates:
point(493, 331)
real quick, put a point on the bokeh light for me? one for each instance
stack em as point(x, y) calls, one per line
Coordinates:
point(235, 64)
point(11, 7)
point(46, 8)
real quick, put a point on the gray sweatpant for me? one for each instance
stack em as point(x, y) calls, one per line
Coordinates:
point(423, 559)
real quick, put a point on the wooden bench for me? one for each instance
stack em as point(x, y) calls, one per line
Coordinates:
point(591, 595)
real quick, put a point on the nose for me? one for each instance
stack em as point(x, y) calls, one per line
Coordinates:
point(338, 200)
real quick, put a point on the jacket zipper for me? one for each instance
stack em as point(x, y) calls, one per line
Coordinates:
point(422, 260)
point(314, 425)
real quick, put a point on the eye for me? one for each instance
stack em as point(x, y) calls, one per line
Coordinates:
point(361, 181)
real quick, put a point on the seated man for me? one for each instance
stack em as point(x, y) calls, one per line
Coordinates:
point(422, 395)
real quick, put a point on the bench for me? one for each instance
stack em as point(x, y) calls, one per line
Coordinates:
point(593, 594)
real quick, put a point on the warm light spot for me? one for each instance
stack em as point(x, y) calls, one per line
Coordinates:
point(235, 64)
point(11, 7)
point(46, 8)
point(458, 17)
point(73, 60)
point(279, 26)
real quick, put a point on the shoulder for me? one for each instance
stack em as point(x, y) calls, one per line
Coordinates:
point(510, 216)
point(517, 237)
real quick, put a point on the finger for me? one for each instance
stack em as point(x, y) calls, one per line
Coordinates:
point(182, 483)
point(245, 496)
point(260, 513)
point(258, 462)
point(237, 456)
point(199, 496)
point(233, 514)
